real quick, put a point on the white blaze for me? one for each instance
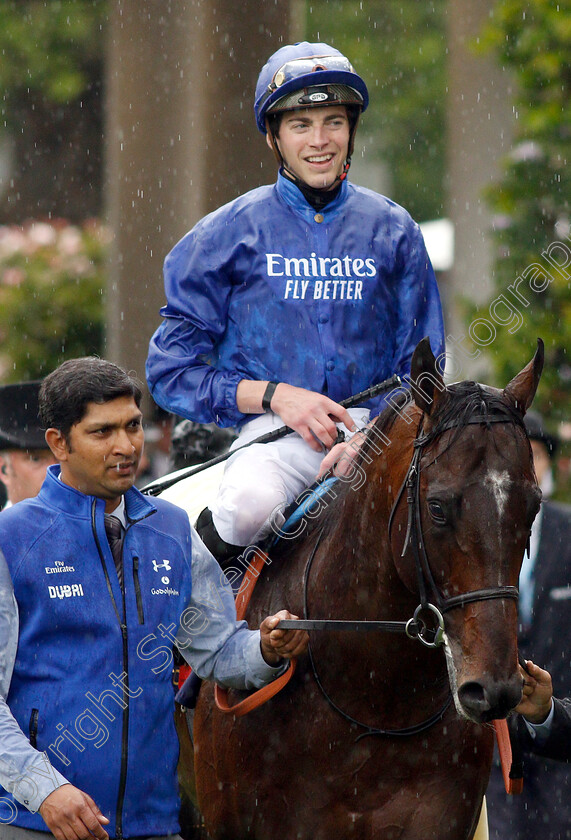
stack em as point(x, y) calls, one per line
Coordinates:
point(499, 483)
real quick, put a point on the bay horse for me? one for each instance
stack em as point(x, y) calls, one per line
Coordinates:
point(377, 735)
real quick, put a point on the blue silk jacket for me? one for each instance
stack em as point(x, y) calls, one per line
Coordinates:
point(267, 288)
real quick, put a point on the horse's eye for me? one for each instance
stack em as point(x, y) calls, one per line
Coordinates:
point(437, 512)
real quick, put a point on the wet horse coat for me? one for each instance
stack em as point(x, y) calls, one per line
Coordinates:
point(308, 765)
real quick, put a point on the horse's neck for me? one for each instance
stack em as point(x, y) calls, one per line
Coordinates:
point(359, 537)
point(357, 580)
point(354, 566)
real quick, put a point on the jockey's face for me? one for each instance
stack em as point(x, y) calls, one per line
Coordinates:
point(314, 144)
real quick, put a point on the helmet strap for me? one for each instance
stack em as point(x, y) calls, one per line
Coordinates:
point(345, 171)
point(274, 145)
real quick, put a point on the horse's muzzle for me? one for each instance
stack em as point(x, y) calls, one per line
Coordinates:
point(489, 700)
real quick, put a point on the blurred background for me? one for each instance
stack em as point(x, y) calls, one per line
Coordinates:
point(125, 121)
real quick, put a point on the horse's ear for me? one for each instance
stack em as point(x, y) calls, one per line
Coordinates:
point(425, 380)
point(521, 390)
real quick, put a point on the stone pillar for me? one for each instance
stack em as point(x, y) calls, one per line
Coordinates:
point(180, 138)
point(480, 121)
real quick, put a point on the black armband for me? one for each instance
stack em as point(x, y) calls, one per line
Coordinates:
point(268, 394)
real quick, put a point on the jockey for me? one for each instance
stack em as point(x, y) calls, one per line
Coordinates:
point(290, 299)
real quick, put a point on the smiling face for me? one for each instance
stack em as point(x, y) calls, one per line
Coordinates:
point(101, 454)
point(314, 144)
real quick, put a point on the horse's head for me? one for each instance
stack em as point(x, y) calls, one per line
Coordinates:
point(472, 497)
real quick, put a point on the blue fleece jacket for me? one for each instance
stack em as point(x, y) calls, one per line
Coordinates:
point(84, 687)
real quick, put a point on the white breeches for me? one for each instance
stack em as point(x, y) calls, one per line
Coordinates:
point(260, 482)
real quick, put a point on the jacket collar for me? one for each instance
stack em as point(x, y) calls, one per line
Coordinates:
point(295, 199)
point(67, 499)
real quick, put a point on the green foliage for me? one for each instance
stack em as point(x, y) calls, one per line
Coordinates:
point(399, 47)
point(533, 197)
point(47, 49)
point(51, 275)
point(51, 296)
point(51, 52)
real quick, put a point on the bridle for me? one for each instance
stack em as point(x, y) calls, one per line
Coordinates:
point(432, 602)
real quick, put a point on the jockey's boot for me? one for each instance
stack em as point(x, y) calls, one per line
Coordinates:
point(223, 552)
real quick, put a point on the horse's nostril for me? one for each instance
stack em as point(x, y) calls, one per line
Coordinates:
point(489, 700)
point(473, 697)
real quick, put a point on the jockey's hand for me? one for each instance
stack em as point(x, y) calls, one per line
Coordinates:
point(281, 644)
point(340, 457)
point(311, 415)
point(536, 702)
point(69, 813)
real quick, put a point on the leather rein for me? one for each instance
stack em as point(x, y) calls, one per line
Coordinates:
point(431, 600)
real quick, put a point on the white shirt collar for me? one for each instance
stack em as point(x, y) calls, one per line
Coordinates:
point(120, 512)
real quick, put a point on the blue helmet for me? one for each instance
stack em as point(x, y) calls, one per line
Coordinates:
point(303, 75)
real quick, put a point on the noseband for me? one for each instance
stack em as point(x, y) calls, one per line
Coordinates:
point(431, 600)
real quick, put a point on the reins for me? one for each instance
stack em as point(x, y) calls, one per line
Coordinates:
point(390, 626)
point(415, 627)
point(261, 695)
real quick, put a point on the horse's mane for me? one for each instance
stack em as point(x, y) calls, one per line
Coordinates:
point(382, 426)
point(467, 401)
point(462, 403)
